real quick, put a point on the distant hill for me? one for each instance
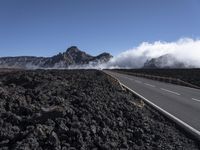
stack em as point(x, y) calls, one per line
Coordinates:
point(165, 61)
point(72, 57)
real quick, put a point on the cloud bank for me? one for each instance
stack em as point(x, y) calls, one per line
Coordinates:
point(185, 50)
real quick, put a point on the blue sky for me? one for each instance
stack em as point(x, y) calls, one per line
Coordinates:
point(46, 27)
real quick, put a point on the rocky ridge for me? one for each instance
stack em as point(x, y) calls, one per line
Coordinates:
point(72, 57)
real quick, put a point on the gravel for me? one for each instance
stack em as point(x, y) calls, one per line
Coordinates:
point(79, 109)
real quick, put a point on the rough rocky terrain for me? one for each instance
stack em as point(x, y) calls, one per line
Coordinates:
point(79, 109)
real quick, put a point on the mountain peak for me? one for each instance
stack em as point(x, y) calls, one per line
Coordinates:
point(73, 49)
point(72, 56)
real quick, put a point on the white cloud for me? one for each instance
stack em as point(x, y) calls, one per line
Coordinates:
point(185, 50)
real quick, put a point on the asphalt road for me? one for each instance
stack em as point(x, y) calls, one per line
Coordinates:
point(182, 102)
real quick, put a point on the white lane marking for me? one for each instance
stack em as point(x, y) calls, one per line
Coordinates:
point(196, 99)
point(126, 77)
point(150, 85)
point(138, 81)
point(170, 91)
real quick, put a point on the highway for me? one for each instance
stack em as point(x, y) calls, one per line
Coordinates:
point(179, 101)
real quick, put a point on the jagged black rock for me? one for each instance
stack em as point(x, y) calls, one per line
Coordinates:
point(78, 109)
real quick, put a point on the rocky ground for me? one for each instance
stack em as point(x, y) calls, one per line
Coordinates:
point(79, 109)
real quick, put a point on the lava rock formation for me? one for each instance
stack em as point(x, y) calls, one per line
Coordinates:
point(79, 109)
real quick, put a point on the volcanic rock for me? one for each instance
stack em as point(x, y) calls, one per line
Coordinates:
point(79, 109)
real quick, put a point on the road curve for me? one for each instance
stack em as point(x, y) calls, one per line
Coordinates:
point(179, 101)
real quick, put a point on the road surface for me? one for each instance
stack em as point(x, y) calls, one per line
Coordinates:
point(181, 102)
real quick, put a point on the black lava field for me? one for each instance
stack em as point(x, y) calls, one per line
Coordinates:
point(79, 109)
